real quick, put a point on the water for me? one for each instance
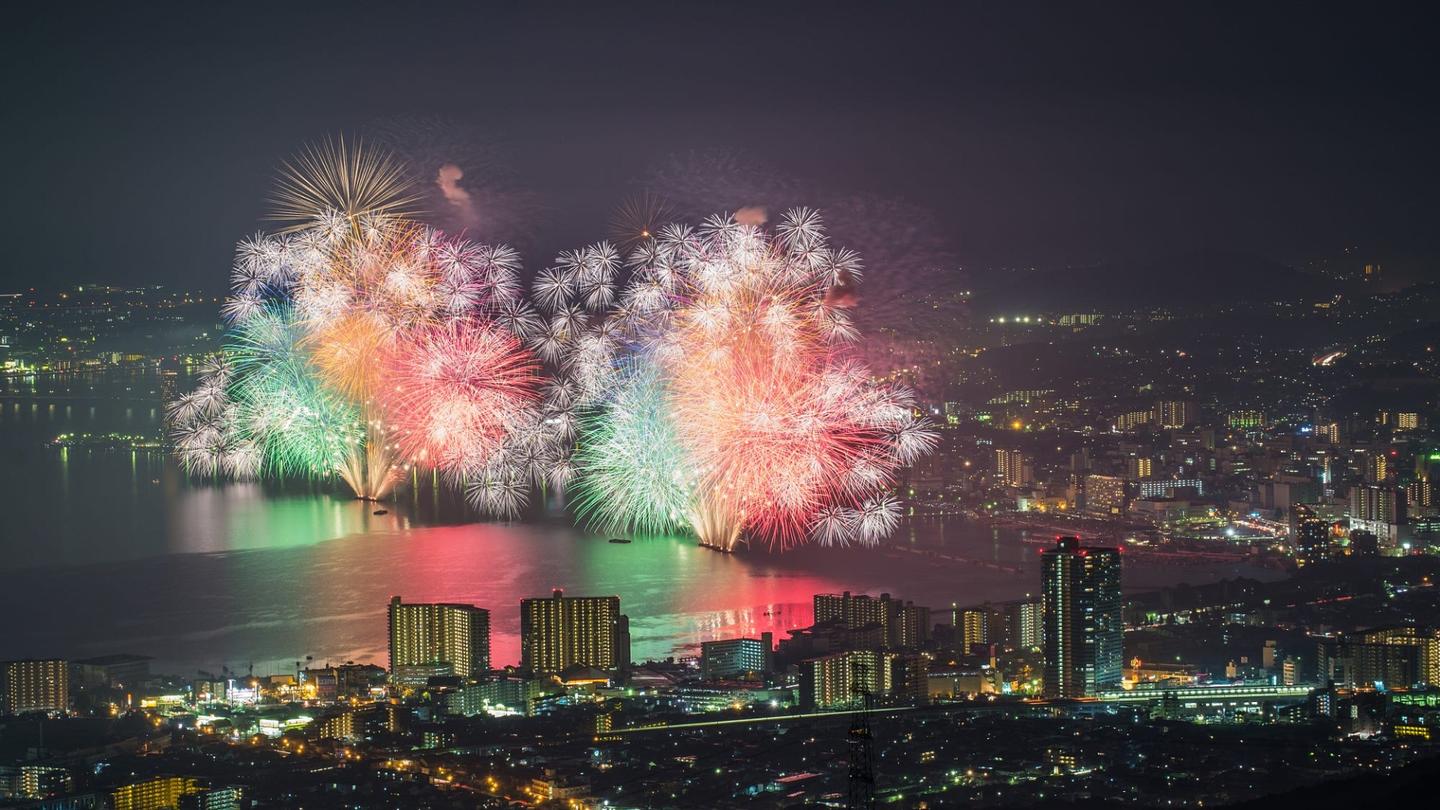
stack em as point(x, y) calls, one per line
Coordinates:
point(115, 551)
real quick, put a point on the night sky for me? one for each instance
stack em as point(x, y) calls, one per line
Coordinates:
point(141, 141)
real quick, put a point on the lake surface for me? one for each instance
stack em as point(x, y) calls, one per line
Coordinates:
point(105, 551)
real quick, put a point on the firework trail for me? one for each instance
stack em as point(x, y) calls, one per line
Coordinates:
point(362, 344)
point(715, 389)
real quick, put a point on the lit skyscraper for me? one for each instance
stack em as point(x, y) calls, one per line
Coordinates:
point(1105, 494)
point(971, 627)
point(423, 634)
point(844, 678)
point(1013, 469)
point(736, 657)
point(896, 625)
point(1312, 536)
point(35, 685)
point(1028, 623)
point(1172, 414)
point(1084, 636)
point(561, 631)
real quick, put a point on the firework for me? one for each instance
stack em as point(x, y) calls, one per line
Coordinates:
point(330, 182)
point(717, 392)
point(457, 392)
point(638, 219)
point(362, 343)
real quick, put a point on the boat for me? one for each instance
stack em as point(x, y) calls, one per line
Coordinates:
point(381, 512)
point(618, 540)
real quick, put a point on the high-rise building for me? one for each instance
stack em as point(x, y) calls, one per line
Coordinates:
point(1402, 656)
point(972, 627)
point(1378, 508)
point(424, 634)
point(913, 629)
point(1377, 468)
point(1244, 419)
point(844, 678)
point(220, 798)
point(1133, 420)
point(1013, 469)
point(34, 685)
point(561, 631)
point(1139, 467)
point(736, 657)
point(1312, 536)
point(160, 793)
point(1174, 413)
point(41, 781)
point(1379, 647)
point(1104, 494)
point(882, 623)
point(1028, 621)
point(1167, 487)
point(1084, 636)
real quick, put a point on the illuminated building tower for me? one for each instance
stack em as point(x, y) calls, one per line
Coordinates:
point(1130, 421)
point(223, 798)
point(1396, 657)
point(913, 629)
point(1028, 625)
point(561, 631)
point(1418, 493)
point(434, 633)
point(1104, 494)
point(34, 685)
point(1382, 658)
point(1084, 637)
point(1378, 508)
point(1167, 487)
point(1246, 419)
point(43, 781)
point(842, 679)
point(1426, 484)
point(1013, 469)
point(1377, 468)
point(1138, 468)
point(877, 623)
point(736, 657)
point(972, 627)
point(153, 794)
point(1312, 536)
point(1176, 413)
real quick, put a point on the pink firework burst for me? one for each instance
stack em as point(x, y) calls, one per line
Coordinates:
point(455, 391)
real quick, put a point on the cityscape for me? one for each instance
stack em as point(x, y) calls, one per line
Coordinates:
point(586, 449)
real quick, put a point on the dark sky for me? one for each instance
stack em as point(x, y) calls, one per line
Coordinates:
point(141, 140)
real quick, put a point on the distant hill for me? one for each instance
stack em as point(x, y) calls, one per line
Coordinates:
point(1200, 280)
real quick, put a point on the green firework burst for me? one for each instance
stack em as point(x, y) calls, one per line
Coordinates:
point(633, 474)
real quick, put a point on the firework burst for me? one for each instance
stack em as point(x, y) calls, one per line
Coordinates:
point(362, 343)
point(717, 390)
